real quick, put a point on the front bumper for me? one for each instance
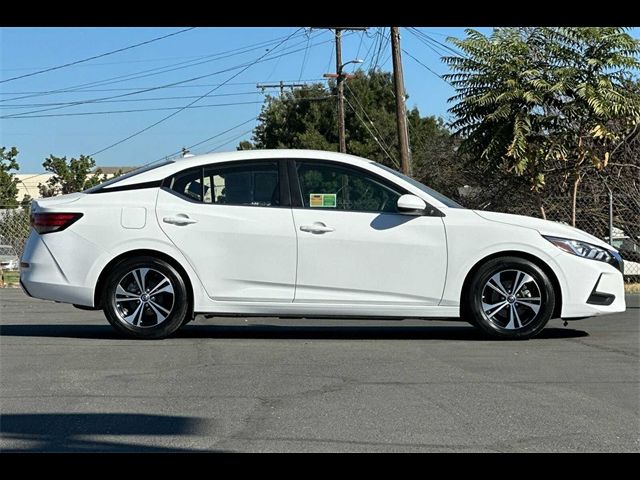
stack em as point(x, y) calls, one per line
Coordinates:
point(589, 287)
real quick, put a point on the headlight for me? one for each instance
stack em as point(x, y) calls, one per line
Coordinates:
point(587, 250)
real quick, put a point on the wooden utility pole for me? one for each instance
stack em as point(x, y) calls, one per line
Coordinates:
point(401, 111)
point(340, 78)
point(341, 133)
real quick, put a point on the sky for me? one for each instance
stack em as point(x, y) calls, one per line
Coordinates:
point(174, 72)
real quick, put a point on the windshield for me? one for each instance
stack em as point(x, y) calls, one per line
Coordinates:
point(132, 173)
point(430, 191)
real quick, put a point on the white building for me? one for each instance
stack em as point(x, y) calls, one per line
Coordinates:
point(28, 182)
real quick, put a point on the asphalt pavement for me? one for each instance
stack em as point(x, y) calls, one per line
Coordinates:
point(68, 383)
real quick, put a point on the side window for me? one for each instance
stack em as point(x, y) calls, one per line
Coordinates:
point(254, 184)
point(324, 185)
point(188, 184)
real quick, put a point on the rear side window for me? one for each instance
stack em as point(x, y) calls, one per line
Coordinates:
point(188, 184)
point(253, 184)
point(249, 183)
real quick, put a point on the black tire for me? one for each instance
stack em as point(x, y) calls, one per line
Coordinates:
point(142, 325)
point(485, 307)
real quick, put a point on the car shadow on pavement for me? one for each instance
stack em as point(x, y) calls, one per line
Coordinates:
point(265, 331)
point(80, 432)
point(439, 332)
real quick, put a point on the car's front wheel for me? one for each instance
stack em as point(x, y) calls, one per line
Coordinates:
point(509, 298)
point(145, 297)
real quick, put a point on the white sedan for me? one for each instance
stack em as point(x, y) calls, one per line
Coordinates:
point(301, 233)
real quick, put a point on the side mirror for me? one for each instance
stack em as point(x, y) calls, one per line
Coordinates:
point(411, 205)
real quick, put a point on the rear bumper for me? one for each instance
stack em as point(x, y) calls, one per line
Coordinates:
point(45, 279)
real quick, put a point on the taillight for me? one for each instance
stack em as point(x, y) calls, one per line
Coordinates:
point(53, 222)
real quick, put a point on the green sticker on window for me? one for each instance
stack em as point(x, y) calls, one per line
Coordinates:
point(329, 200)
point(323, 200)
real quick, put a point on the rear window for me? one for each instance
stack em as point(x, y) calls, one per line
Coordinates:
point(132, 173)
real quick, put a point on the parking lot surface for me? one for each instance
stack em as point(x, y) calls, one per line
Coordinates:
point(68, 383)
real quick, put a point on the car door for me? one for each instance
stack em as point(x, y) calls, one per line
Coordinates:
point(233, 223)
point(353, 246)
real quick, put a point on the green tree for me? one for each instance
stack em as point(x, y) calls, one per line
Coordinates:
point(306, 118)
point(8, 180)
point(245, 145)
point(540, 102)
point(69, 176)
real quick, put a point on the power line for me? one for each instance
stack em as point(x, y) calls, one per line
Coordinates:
point(229, 141)
point(438, 53)
point(381, 47)
point(158, 59)
point(395, 162)
point(197, 85)
point(360, 44)
point(364, 111)
point(330, 60)
point(304, 59)
point(457, 53)
point(179, 97)
point(159, 109)
point(429, 69)
point(183, 65)
point(167, 117)
point(208, 138)
point(135, 110)
point(122, 62)
point(155, 70)
point(366, 55)
point(94, 100)
point(50, 69)
point(239, 125)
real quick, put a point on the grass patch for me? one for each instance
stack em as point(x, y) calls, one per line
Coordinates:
point(10, 278)
point(632, 288)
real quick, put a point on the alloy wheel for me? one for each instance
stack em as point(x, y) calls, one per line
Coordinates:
point(511, 299)
point(144, 297)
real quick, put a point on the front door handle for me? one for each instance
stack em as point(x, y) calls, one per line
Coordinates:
point(317, 227)
point(179, 219)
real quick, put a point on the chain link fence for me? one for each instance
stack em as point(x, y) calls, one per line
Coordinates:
point(612, 218)
point(14, 230)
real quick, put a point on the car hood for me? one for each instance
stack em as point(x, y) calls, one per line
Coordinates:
point(544, 227)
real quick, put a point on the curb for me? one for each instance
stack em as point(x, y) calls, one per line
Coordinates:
point(632, 300)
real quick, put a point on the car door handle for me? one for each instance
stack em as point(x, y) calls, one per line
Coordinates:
point(180, 219)
point(317, 227)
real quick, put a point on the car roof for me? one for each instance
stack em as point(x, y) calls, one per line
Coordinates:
point(164, 170)
point(196, 160)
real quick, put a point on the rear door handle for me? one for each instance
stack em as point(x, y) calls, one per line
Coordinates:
point(317, 227)
point(179, 219)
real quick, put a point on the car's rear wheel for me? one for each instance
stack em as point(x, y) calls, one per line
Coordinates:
point(145, 297)
point(509, 298)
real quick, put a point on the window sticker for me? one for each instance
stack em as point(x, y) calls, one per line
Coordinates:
point(323, 200)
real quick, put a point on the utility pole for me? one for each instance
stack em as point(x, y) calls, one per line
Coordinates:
point(281, 85)
point(341, 133)
point(340, 78)
point(401, 111)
